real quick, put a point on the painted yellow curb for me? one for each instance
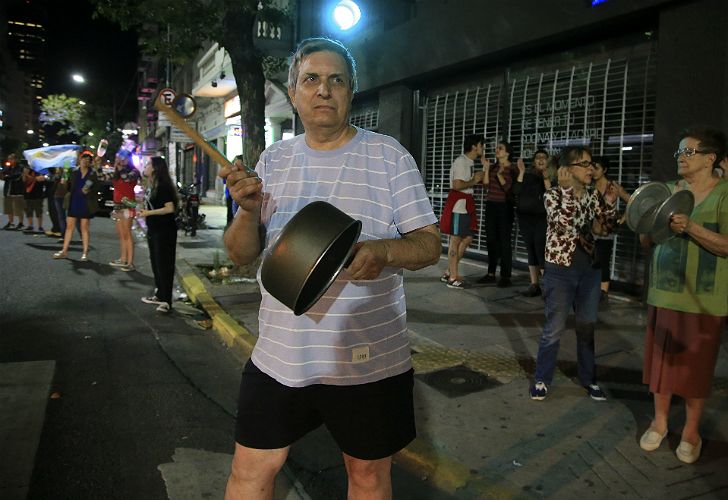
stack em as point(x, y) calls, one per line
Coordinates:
point(233, 333)
point(422, 460)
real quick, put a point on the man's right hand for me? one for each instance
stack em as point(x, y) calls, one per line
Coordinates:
point(245, 188)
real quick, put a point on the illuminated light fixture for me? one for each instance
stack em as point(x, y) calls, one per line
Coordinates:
point(31, 132)
point(597, 2)
point(78, 78)
point(346, 14)
point(45, 144)
point(626, 148)
point(82, 103)
point(91, 134)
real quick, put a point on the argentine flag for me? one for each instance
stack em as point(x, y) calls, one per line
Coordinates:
point(61, 155)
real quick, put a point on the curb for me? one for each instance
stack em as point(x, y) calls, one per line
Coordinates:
point(235, 336)
point(419, 458)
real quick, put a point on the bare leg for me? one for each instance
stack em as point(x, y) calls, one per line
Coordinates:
point(369, 479)
point(693, 411)
point(662, 409)
point(452, 256)
point(534, 272)
point(464, 244)
point(253, 473)
point(85, 237)
point(127, 240)
point(117, 225)
point(70, 226)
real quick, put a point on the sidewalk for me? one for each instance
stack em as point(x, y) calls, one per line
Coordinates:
point(480, 435)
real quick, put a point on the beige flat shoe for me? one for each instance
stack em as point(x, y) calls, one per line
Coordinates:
point(689, 453)
point(84, 257)
point(651, 439)
point(60, 255)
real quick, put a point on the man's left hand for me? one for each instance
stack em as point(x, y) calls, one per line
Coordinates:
point(370, 257)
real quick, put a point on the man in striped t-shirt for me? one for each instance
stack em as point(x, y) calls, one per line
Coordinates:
point(346, 362)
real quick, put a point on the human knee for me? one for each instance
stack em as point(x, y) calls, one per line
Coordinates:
point(368, 474)
point(250, 465)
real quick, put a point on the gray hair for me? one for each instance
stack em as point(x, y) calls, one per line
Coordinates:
point(311, 45)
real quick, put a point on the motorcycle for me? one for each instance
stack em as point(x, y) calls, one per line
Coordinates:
point(189, 217)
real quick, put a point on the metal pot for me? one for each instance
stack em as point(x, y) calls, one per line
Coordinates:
point(311, 250)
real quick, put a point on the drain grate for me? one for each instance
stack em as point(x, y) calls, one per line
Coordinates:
point(458, 381)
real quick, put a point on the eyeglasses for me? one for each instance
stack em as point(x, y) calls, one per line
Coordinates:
point(583, 164)
point(688, 152)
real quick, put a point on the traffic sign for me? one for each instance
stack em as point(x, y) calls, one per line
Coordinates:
point(167, 95)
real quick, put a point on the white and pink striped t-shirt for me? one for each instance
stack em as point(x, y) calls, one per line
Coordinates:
point(356, 333)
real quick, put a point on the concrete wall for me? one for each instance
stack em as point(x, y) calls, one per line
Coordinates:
point(692, 75)
point(444, 40)
point(452, 35)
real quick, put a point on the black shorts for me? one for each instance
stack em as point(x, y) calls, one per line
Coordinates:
point(367, 421)
point(461, 225)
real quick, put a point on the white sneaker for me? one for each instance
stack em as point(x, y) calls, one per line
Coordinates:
point(153, 300)
point(164, 307)
point(84, 257)
point(538, 391)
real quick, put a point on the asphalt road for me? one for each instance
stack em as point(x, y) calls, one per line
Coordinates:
point(124, 420)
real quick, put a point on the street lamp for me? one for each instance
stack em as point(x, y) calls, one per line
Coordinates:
point(78, 78)
point(31, 132)
point(82, 103)
point(346, 14)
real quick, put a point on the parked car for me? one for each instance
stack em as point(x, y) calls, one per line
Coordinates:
point(105, 194)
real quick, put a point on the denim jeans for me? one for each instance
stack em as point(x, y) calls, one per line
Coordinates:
point(566, 287)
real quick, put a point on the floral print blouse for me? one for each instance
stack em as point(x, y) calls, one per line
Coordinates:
point(570, 221)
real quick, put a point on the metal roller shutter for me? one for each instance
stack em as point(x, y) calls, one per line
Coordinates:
point(606, 103)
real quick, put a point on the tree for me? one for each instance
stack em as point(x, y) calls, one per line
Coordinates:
point(183, 27)
point(66, 112)
point(68, 120)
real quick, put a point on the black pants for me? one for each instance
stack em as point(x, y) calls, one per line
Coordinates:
point(162, 249)
point(53, 213)
point(533, 232)
point(498, 226)
point(603, 249)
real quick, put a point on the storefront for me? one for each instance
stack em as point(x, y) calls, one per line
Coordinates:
point(603, 100)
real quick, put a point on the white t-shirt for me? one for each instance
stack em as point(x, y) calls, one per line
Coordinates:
point(462, 170)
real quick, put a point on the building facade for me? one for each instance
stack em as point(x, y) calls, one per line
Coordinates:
point(620, 77)
point(612, 76)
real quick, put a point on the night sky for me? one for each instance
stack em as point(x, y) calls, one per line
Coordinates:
point(106, 56)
